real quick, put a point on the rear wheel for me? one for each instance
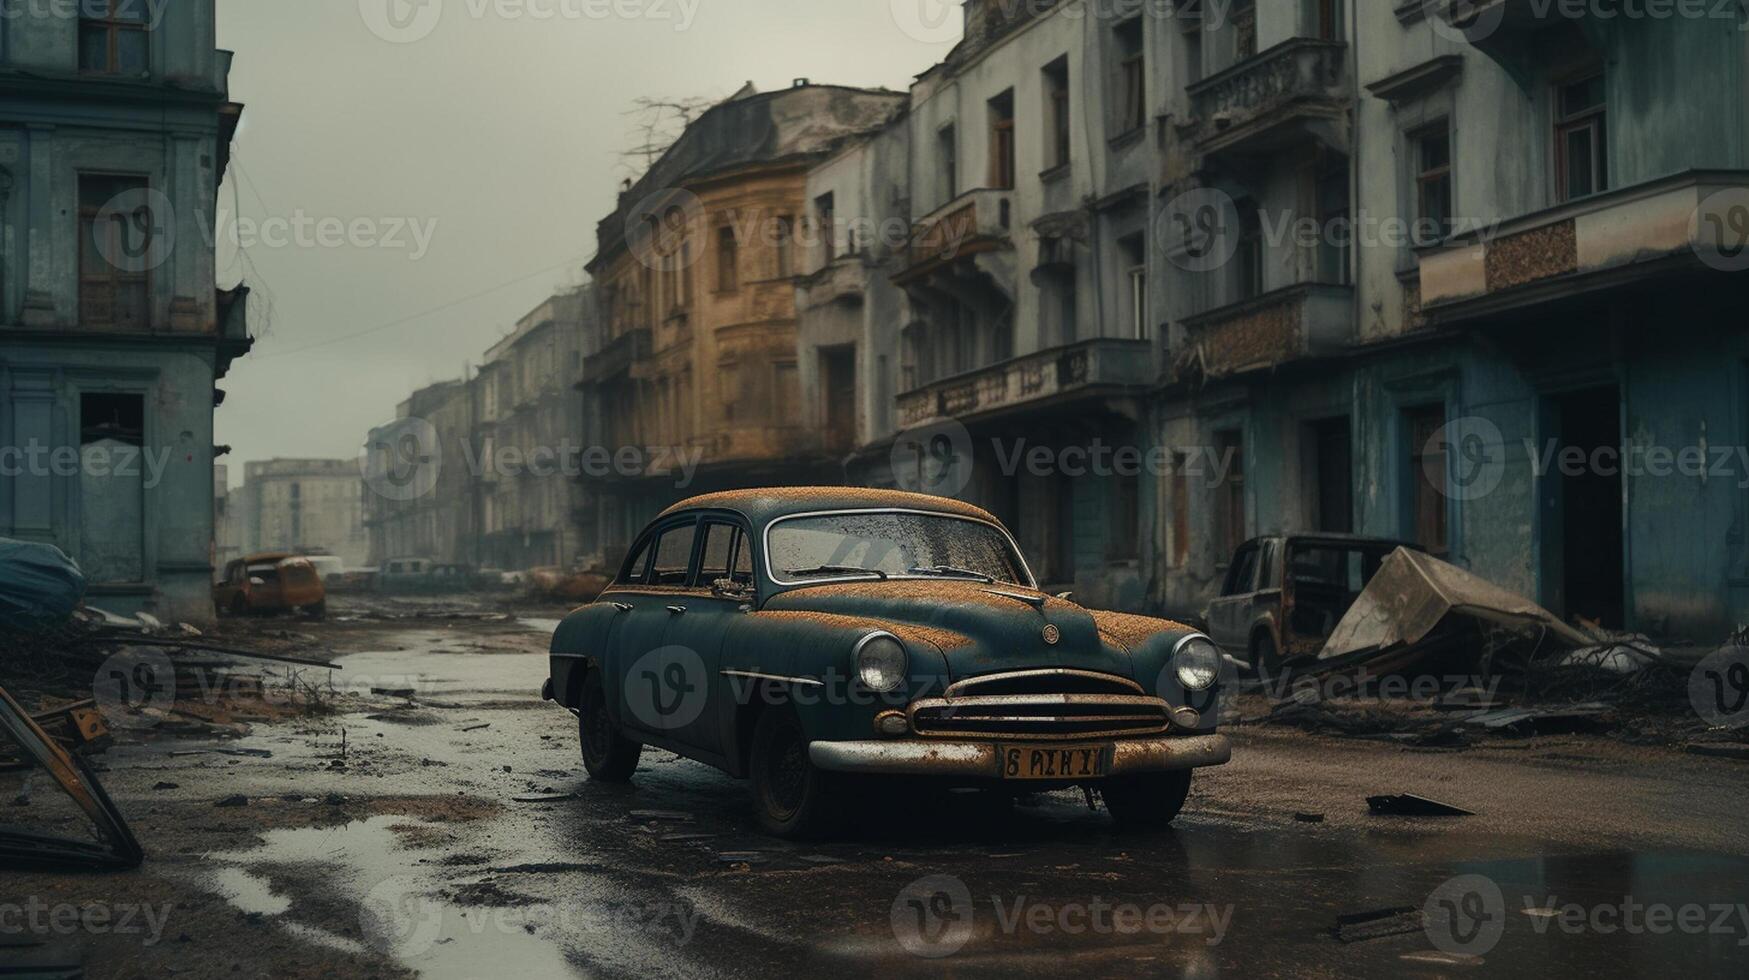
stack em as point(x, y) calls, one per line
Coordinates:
point(318, 611)
point(239, 607)
point(1265, 656)
point(607, 755)
point(1147, 801)
point(791, 797)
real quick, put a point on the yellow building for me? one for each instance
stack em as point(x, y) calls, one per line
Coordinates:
point(694, 383)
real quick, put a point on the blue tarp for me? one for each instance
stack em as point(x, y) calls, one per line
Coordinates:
point(39, 585)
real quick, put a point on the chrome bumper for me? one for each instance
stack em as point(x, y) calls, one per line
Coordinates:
point(931, 757)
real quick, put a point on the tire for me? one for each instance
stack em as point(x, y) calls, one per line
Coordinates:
point(1147, 802)
point(607, 755)
point(1265, 655)
point(791, 798)
point(239, 607)
point(318, 611)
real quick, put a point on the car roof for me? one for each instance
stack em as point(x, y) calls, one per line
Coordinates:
point(765, 505)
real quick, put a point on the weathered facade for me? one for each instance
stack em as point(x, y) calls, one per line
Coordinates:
point(697, 381)
point(112, 333)
point(313, 506)
point(430, 509)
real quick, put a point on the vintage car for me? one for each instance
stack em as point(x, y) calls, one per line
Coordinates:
point(271, 583)
point(803, 637)
point(1284, 595)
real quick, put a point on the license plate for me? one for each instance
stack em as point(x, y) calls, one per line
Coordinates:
point(1055, 761)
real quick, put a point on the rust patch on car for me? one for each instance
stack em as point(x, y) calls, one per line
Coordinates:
point(1131, 631)
point(942, 639)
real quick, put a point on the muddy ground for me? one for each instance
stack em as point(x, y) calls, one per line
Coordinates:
point(449, 832)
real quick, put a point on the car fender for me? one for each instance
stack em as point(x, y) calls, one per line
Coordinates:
point(579, 643)
point(1151, 643)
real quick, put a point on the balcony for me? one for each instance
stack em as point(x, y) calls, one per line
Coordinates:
point(1304, 320)
point(975, 222)
point(1668, 228)
point(1503, 29)
point(1089, 368)
point(840, 280)
point(618, 356)
point(1283, 97)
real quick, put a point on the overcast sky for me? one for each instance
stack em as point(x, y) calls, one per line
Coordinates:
point(409, 187)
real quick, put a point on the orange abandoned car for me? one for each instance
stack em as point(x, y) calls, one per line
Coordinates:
point(271, 583)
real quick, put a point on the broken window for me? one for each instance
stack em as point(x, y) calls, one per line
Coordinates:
point(117, 233)
point(1056, 84)
point(1130, 85)
point(826, 217)
point(1427, 477)
point(1432, 149)
point(114, 37)
point(1002, 141)
point(1581, 148)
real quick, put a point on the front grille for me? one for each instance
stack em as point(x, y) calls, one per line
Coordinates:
point(1035, 705)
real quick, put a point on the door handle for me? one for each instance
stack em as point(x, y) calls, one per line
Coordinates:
point(623, 606)
point(676, 610)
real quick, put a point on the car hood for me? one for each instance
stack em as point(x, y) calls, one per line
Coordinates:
point(978, 628)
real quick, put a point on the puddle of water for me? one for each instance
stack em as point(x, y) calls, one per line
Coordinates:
point(397, 915)
point(440, 674)
point(547, 626)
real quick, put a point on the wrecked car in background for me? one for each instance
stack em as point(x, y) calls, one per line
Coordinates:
point(39, 585)
point(802, 637)
point(1284, 595)
point(271, 583)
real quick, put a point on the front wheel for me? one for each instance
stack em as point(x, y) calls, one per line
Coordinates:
point(607, 755)
point(792, 798)
point(1148, 801)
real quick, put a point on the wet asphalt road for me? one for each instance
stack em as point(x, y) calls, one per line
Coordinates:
point(1586, 858)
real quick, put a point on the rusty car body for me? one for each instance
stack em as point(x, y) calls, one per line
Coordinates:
point(1283, 595)
point(804, 638)
point(273, 582)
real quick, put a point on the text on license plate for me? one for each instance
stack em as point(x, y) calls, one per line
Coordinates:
point(1054, 761)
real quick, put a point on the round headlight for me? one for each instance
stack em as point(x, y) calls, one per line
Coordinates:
point(1198, 662)
point(880, 662)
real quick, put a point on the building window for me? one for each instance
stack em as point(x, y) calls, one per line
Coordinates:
point(826, 217)
point(1130, 95)
point(685, 274)
point(1427, 478)
point(1056, 79)
point(1244, 16)
point(114, 37)
point(1329, 14)
point(1581, 146)
point(1179, 553)
point(115, 246)
point(1432, 151)
point(1230, 493)
point(785, 246)
point(1335, 218)
point(1248, 264)
point(728, 260)
point(1135, 259)
point(1126, 519)
point(1002, 141)
point(947, 160)
point(1190, 28)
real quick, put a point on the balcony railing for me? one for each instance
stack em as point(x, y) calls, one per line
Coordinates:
point(1305, 320)
point(1088, 367)
point(1676, 225)
point(975, 221)
point(1270, 100)
point(618, 356)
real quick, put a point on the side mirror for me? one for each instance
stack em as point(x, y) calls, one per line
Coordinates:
point(1066, 596)
point(728, 588)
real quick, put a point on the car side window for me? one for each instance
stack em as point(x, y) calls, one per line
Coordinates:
point(673, 555)
point(719, 547)
point(743, 573)
point(1243, 577)
point(637, 567)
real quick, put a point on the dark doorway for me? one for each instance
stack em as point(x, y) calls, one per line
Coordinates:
point(838, 372)
point(1591, 507)
point(1332, 470)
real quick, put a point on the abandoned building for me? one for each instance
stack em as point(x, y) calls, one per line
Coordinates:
point(112, 333)
point(312, 506)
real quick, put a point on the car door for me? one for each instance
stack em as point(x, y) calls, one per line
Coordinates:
point(1228, 614)
point(695, 634)
point(653, 698)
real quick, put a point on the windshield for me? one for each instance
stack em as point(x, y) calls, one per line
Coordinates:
point(891, 544)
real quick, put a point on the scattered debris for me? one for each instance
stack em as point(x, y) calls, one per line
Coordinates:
point(476, 728)
point(1542, 721)
point(120, 850)
point(1361, 926)
point(79, 726)
point(1309, 817)
point(1720, 750)
point(161, 787)
point(1434, 957)
point(1409, 805)
point(394, 692)
point(232, 802)
point(544, 798)
point(670, 816)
